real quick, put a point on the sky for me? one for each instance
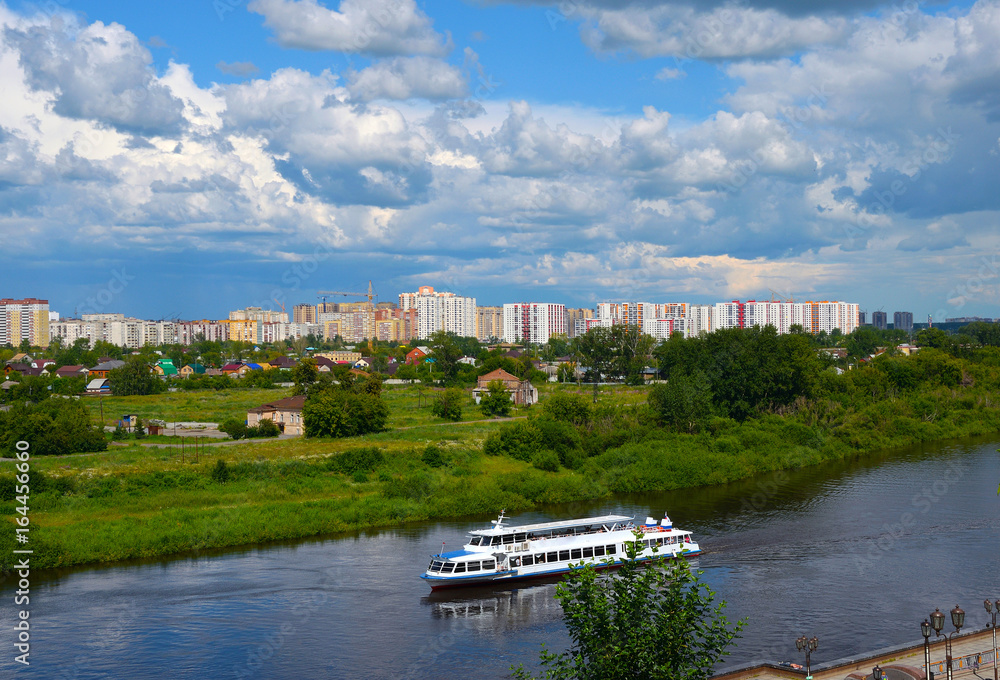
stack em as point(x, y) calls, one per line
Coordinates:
point(184, 159)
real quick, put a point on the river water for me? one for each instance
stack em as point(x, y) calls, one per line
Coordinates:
point(855, 553)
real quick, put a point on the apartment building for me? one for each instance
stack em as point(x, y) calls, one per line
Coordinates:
point(576, 320)
point(489, 323)
point(533, 322)
point(25, 319)
point(304, 313)
point(439, 310)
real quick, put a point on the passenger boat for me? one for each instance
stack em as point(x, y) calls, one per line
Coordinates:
point(504, 553)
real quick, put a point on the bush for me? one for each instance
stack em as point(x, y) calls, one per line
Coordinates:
point(52, 427)
point(343, 413)
point(119, 432)
point(546, 460)
point(569, 408)
point(220, 473)
point(496, 401)
point(354, 460)
point(517, 440)
point(449, 404)
point(432, 456)
point(234, 427)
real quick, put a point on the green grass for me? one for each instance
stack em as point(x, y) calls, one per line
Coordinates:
point(137, 501)
point(197, 406)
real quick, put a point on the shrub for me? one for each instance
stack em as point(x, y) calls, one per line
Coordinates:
point(432, 456)
point(234, 427)
point(343, 413)
point(517, 440)
point(496, 401)
point(53, 427)
point(220, 473)
point(449, 404)
point(353, 460)
point(119, 432)
point(569, 408)
point(546, 460)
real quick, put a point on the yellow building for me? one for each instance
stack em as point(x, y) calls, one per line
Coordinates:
point(489, 323)
point(243, 330)
point(26, 319)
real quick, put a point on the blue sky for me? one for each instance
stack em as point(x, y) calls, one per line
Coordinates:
point(221, 153)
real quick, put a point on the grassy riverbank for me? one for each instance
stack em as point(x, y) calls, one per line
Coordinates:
point(136, 501)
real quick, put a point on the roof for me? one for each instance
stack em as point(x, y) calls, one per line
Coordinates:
point(498, 374)
point(287, 404)
point(564, 524)
point(97, 383)
point(108, 365)
point(7, 384)
point(70, 370)
point(232, 367)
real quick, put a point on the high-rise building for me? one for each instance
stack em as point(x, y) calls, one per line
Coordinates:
point(441, 311)
point(880, 320)
point(304, 313)
point(533, 322)
point(258, 314)
point(26, 319)
point(699, 320)
point(862, 318)
point(903, 321)
point(489, 323)
point(576, 320)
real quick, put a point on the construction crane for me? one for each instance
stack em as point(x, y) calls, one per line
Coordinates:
point(776, 294)
point(369, 309)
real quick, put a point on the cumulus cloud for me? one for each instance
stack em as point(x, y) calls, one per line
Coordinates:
point(377, 27)
point(408, 78)
point(101, 72)
point(683, 32)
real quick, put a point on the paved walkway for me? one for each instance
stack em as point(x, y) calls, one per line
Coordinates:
point(904, 662)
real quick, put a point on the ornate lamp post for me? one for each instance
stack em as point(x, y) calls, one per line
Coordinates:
point(808, 646)
point(937, 623)
point(994, 609)
point(877, 673)
point(925, 630)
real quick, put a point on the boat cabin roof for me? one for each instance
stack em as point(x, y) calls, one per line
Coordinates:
point(544, 526)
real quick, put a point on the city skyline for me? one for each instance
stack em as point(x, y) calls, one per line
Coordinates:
point(205, 156)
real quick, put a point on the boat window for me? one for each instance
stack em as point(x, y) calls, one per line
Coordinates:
point(520, 537)
point(576, 554)
point(588, 552)
point(489, 564)
point(436, 565)
point(508, 539)
point(460, 568)
point(563, 555)
point(598, 550)
point(449, 567)
point(540, 558)
point(472, 566)
point(476, 540)
point(612, 550)
point(552, 557)
point(528, 560)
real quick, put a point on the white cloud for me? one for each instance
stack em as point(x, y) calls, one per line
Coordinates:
point(100, 72)
point(378, 27)
point(408, 78)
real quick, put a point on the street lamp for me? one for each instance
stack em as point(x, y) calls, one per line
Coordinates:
point(925, 630)
point(877, 672)
point(994, 609)
point(937, 623)
point(808, 646)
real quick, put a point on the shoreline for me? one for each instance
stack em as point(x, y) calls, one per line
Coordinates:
point(375, 505)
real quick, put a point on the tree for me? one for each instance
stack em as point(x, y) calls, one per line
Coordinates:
point(641, 623)
point(134, 378)
point(594, 348)
point(304, 374)
point(683, 403)
point(863, 342)
point(933, 337)
point(344, 410)
point(446, 353)
point(448, 405)
point(496, 401)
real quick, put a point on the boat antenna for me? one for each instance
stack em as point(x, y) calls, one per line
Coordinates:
point(499, 521)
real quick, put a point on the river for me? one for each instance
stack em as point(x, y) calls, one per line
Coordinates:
point(856, 553)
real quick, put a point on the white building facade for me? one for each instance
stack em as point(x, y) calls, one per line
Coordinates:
point(533, 322)
point(440, 311)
